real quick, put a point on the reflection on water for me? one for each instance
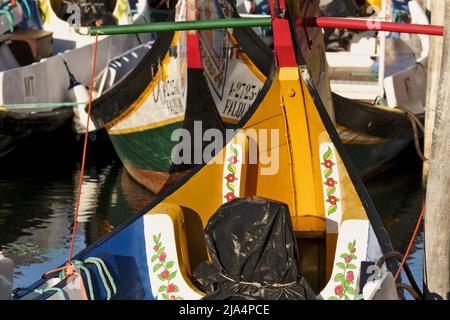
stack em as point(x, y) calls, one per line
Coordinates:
point(37, 200)
point(398, 196)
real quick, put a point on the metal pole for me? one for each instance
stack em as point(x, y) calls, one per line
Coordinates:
point(182, 25)
point(382, 54)
point(323, 22)
point(371, 24)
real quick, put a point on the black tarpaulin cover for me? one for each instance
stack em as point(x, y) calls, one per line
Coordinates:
point(254, 254)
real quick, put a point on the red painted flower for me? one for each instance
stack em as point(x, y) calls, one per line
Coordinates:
point(156, 248)
point(173, 298)
point(230, 196)
point(350, 276)
point(233, 160)
point(162, 256)
point(338, 290)
point(348, 259)
point(328, 164)
point(165, 274)
point(330, 182)
point(332, 200)
point(171, 288)
point(353, 250)
point(230, 177)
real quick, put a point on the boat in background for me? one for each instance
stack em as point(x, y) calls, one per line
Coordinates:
point(378, 83)
point(43, 72)
point(319, 203)
point(188, 86)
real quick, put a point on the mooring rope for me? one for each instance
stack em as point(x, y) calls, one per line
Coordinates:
point(83, 160)
point(259, 285)
point(414, 124)
point(403, 258)
point(70, 267)
point(409, 274)
point(411, 242)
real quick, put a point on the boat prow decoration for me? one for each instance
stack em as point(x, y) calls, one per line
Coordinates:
point(287, 152)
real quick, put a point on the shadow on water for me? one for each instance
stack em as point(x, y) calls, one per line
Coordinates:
point(38, 186)
point(398, 196)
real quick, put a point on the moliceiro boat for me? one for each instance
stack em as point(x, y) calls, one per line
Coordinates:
point(210, 79)
point(305, 230)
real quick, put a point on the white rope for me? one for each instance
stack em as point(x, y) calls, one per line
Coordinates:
point(259, 285)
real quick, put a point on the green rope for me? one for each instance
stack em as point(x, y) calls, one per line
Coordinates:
point(10, 18)
point(101, 266)
point(26, 15)
point(182, 25)
point(80, 265)
point(103, 271)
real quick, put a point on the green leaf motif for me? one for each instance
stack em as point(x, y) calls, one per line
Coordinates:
point(176, 289)
point(331, 191)
point(232, 169)
point(346, 297)
point(234, 151)
point(351, 291)
point(159, 237)
point(351, 245)
point(155, 239)
point(327, 173)
point(351, 266)
point(230, 187)
point(333, 298)
point(341, 265)
point(157, 266)
point(162, 289)
point(161, 250)
point(327, 154)
point(332, 209)
point(161, 278)
point(154, 257)
point(344, 255)
point(339, 277)
point(172, 275)
point(170, 264)
point(165, 296)
point(353, 257)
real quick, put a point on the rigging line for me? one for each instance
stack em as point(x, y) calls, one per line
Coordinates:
point(410, 243)
point(80, 184)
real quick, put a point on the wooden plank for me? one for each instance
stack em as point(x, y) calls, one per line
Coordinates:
point(437, 219)
point(434, 72)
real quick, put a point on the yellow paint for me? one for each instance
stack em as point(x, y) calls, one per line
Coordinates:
point(121, 9)
point(147, 126)
point(375, 4)
point(289, 108)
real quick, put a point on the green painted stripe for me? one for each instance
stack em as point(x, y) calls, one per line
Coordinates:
point(149, 150)
point(182, 25)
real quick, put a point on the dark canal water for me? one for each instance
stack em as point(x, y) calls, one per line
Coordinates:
point(38, 185)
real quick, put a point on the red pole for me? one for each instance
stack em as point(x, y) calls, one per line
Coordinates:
point(367, 24)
